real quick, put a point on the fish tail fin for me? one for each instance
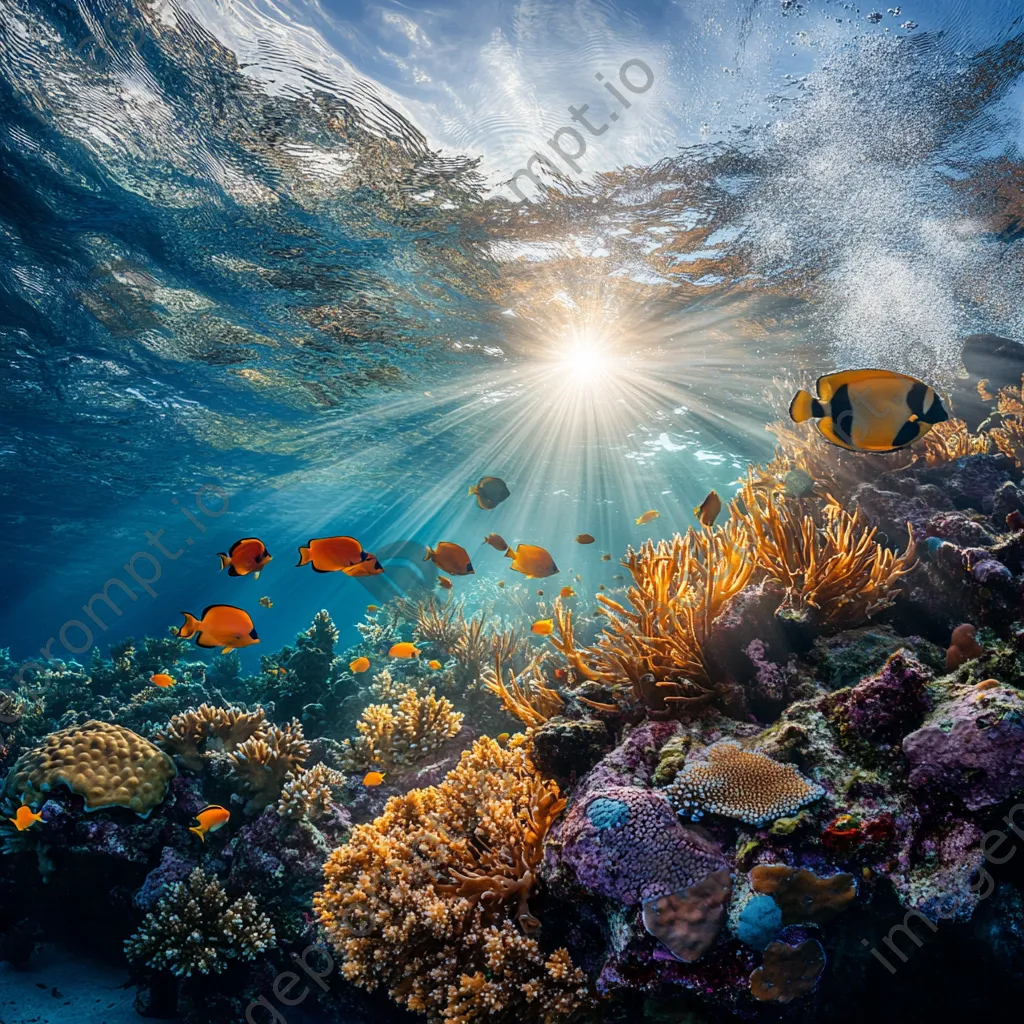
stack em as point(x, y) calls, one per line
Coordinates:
point(510, 553)
point(304, 556)
point(189, 627)
point(225, 561)
point(804, 406)
point(473, 489)
point(429, 554)
point(198, 832)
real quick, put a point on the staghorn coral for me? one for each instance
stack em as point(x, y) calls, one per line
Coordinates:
point(266, 761)
point(388, 908)
point(788, 971)
point(741, 784)
point(308, 795)
point(402, 733)
point(199, 733)
point(441, 625)
point(108, 765)
point(801, 895)
point(196, 930)
point(836, 574)
point(654, 648)
point(473, 647)
point(530, 700)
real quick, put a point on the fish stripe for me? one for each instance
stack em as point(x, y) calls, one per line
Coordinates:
point(841, 414)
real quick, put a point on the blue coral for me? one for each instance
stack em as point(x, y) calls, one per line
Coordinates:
point(759, 922)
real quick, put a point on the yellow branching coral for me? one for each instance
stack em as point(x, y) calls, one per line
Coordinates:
point(837, 574)
point(199, 733)
point(264, 762)
point(952, 440)
point(1009, 435)
point(528, 697)
point(308, 795)
point(655, 646)
point(402, 733)
point(429, 900)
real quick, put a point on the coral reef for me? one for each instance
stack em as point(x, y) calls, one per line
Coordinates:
point(788, 971)
point(266, 761)
point(801, 895)
point(309, 794)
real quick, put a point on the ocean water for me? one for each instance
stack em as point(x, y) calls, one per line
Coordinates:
point(296, 268)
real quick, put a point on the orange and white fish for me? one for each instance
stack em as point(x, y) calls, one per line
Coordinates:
point(162, 679)
point(220, 625)
point(25, 818)
point(210, 819)
point(248, 555)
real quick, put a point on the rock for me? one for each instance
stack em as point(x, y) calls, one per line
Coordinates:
point(564, 749)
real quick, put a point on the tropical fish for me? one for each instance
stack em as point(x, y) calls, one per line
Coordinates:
point(618, 576)
point(434, 664)
point(266, 602)
point(451, 558)
point(369, 566)
point(444, 583)
point(24, 818)
point(220, 625)
point(331, 554)
point(404, 650)
point(501, 583)
point(359, 664)
point(162, 679)
point(606, 557)
point(532, 561)
point(490, 491)
point(647, 517)
point(600, 586)
point(496, 541)
point(502, 737)
point(371, 779)
point(248, 555)
point(875, 411)
point(210, 819)
point(371, 608)
point(584, 538)
point(543, 627)
point(567, 592)
point(707, 511)
point(540, 593)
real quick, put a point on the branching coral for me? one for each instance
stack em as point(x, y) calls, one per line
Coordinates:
point(440, 625)
point(199, 733)
point(528, 697)
point(265, 762)
point(195, 929)
point(1009, 435)
point(655, 647)
point(473, 648)
point(952, 440)
point(308, 795)
point(424, 899)
point(836, 574)
point(402, 733)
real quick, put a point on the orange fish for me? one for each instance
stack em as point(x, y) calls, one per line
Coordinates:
point(371, 779)
point(567, 592)
point(540, 593)
point(220, 625)
point(404, 650)
point(450, 558)
point(210, 819)
point(369, 566)
point(371, 608)
point(584, 538)
point(162, 679)
point(330, 554)
point(248, 555)
point(560, 673)
point(502, 737)
point(490, 491)
point(543, 627)
point(707, 511)
point(649, 515)
point(359, 665)
point(444, 582)
point(532, 561)
point(24, 818)
point(606, 557)
point(496, 541)
point(434, 664)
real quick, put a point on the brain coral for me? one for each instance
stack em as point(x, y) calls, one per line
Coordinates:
point(741, 784)
point(626, 843)
point(107, 764)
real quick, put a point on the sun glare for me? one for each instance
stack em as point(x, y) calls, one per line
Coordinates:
point(584, 361)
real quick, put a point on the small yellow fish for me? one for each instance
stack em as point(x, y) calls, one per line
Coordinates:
point(371, 608)
point(606, 557)
point(647, 517)
point(210, 819)
point(24, 818)
point(543, 627)
point(371, 779)
point(444, 583)
point(501, 583)
point(359, 664)
point(404, 650)
point(584, 538)
point(266, 602)
point(434, 664)
point(567, 592)
point(162, 679)
point(502, 737)
point(708, 510)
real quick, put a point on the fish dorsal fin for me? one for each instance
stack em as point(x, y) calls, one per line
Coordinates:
point(829, 384)
point(210, 607)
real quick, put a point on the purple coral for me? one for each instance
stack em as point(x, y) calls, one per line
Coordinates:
point(627, 843)
point(770, 678)
point(886, 705)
